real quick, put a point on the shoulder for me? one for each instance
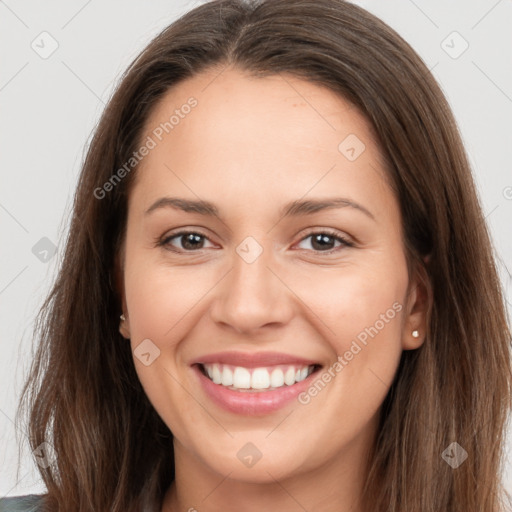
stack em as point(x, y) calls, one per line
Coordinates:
point(27, 503)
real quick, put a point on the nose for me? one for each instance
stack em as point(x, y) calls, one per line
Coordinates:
point(252, 296)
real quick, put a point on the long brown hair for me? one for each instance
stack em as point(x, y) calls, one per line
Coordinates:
point(111, 449)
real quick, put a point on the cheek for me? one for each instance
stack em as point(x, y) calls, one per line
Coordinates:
point(358, 309)
point(347, 300)
point(161, 302)
point(160, 298)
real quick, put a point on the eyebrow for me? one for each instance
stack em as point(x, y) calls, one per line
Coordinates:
point(293, 209)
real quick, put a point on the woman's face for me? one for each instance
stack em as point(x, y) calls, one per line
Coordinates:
point(264, 243)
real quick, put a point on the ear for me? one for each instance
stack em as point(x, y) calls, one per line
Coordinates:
point(124, 325)
point(418, 305)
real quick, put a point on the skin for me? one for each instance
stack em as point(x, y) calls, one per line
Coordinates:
point(250, 146)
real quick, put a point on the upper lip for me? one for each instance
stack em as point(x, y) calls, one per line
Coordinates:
point(254, 359)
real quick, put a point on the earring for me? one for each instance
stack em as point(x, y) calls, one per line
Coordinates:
point(123, 318)
point(415, 334)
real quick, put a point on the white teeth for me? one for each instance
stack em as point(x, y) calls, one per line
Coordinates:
point(241, 378)
point(217, 378)
point(289, 376)
point(277, 378)
point(237, 377)
point(260, 379)
point(227, 376)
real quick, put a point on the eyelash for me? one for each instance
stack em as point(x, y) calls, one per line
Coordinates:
point(164, 242)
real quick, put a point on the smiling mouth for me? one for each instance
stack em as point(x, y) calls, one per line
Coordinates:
point(268, 378)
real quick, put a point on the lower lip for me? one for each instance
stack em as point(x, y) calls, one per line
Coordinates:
point(251, 402)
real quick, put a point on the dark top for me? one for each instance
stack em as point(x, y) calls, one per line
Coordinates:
point(27, 503)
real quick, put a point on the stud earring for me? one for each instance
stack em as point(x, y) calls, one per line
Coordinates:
point(123, 318)
point(415, 334)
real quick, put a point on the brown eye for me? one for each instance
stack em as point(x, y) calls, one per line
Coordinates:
point(324, 241)
point(186, 241)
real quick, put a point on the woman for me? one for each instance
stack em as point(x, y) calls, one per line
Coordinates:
point(278, 289)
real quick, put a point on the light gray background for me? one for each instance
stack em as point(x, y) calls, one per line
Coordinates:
point(50, 106)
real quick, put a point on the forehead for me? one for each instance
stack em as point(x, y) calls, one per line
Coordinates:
point(230, 98)
point(276, 133)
